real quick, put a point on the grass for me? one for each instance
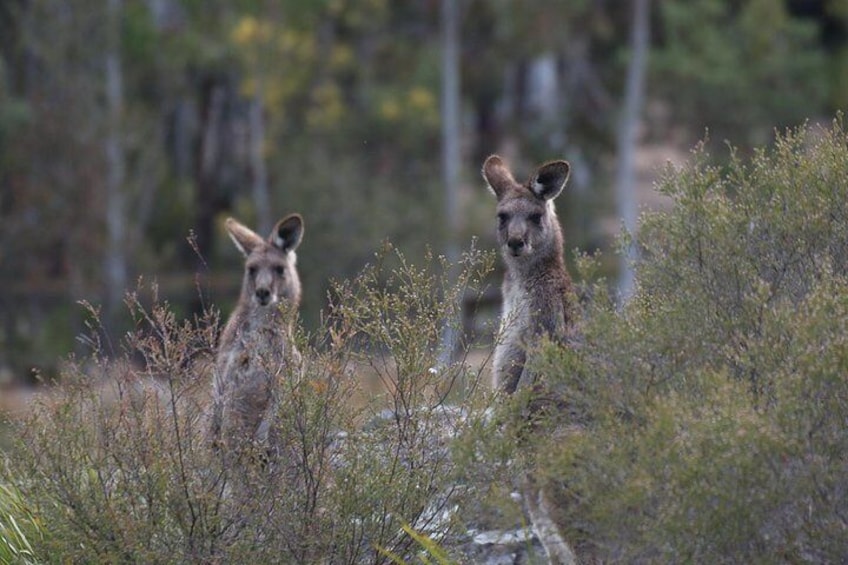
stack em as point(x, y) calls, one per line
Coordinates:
point(18, 527)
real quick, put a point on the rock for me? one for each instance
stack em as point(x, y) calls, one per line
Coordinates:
point(501, 547)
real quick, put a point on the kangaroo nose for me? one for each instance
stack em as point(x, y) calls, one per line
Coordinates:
point(263, 294)
point(515, 244)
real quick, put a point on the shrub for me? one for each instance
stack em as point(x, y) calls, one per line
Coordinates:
point(117, 464)
point(708, 413)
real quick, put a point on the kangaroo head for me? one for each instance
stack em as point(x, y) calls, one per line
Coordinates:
point(270, 273)
point(527, 223)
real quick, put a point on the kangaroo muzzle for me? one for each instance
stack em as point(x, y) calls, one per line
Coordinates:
point(515, 245)
point(264, 293)
point(263, 296)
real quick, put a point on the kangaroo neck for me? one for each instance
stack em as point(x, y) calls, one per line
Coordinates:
point(262, 319)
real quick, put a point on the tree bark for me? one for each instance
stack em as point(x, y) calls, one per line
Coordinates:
point(213, 98)
point(627, 138)
point(450, 154)
point(115, 261)
point(259, 172)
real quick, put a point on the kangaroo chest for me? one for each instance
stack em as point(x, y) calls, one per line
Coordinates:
point(251, 360)
point(254, 351)
point(515, 318)
point(533, 307)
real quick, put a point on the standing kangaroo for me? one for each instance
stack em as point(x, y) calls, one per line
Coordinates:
point(256, 348)
point(537, 296)
point(536, 287)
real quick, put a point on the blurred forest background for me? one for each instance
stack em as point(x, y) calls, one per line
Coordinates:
point(130, 128)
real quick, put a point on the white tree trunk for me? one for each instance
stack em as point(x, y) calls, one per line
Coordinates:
point(450, 152)
point(450, 119)
point(115, 260)
point(627, 138)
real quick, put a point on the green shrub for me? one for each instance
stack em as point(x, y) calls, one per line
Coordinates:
point(117, 464)
point(18, 529)
point(708, 413)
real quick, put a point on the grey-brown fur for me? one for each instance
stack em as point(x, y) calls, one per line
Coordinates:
point(255, 349)
point(536, 302)
point(536, 288)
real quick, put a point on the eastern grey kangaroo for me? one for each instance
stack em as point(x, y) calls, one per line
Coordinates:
point(537, 298)
point(256, 348)
point(536, 288)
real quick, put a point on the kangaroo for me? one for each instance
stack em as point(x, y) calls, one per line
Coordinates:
point(537, 296)
point(255, 348)
point(536, 288)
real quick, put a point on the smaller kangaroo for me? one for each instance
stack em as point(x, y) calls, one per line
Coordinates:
point(537, 296)
point(255, 348)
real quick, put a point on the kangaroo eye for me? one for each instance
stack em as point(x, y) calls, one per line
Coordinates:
point(536, 218)
point(503, 218)
point(252, 271)
point(279, 270)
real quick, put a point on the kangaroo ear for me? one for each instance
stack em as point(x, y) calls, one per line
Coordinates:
point(497, 175)
point(550, 179)
point(246, 239)
point(288, 232)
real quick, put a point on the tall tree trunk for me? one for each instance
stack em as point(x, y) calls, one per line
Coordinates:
point(450, 120)
point(115, 261)
point(259, 172)
point(213, 97)
point(450, 152)
point(486, 126)
point(633, 102)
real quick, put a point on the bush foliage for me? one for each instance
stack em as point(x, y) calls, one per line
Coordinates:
point(118, 466)
point(710, 410)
